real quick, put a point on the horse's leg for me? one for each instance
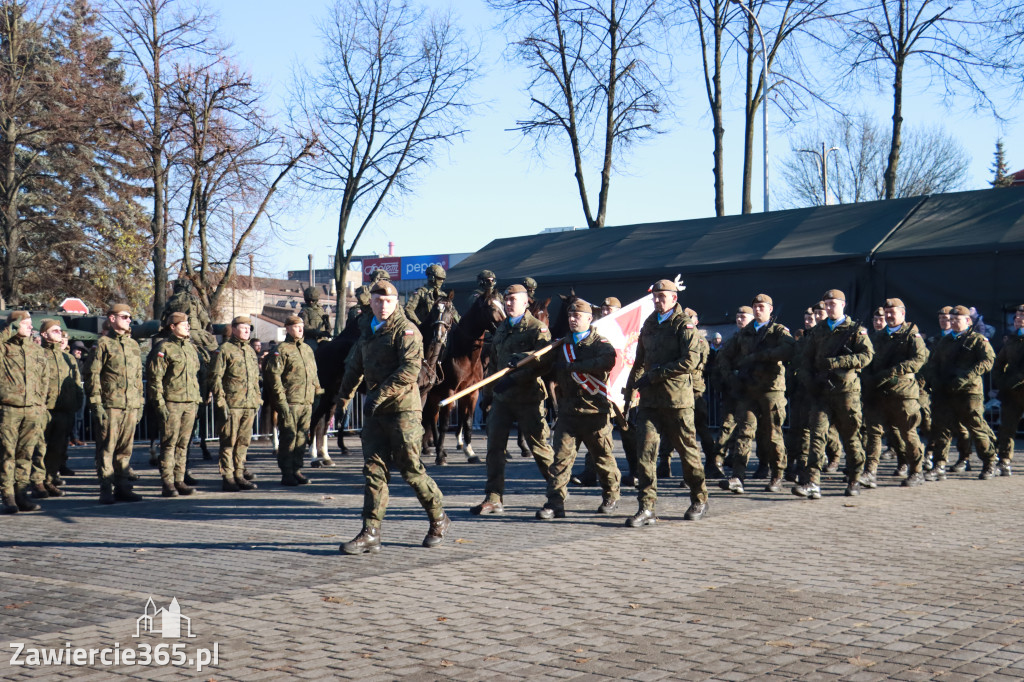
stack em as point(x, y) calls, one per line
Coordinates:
point(274, 436)
point(341, 419)
point(441, 429)
point(321, 440)
point(467, 406)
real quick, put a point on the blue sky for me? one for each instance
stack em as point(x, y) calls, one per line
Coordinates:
point(492, 185)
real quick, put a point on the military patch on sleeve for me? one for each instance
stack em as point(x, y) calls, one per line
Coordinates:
point(276, 353)
point(159, 353)
point(543, 330)
point(408, 332)
point(863, 331)
point(689, 326)
point(918, 335)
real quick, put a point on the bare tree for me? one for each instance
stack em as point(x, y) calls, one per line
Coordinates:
point(152, 36)
point(230, 162)
point(947, 40)
point(593, 86)
point(933, 161)
point(390, 91)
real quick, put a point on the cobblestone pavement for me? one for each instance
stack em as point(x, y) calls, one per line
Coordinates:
point(910, 584)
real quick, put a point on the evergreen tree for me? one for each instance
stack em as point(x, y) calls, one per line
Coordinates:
point(1000, 171)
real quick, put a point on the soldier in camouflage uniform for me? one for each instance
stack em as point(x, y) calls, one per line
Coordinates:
point(113, 384)
point(837, 351)
point(388, 356)
point(315, 320)
point(1008, 379)
point(66, 397)
point(955, 370)
point(891, 393)
point(174, 383)
point(24, 395)
point(531, 288)
point(486, 283)
point(798, 438)
point(362, 294)
point(423, 300)
point(744, 314)
point(293, 383)
point(754, 364)
point(235, 381)
point(518, 396)
point(666, 353)
point(582, 366)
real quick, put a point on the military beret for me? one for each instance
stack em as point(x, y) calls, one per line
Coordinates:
point(47, 325)
point(665, 285)
point(119, 308)
point(762, 298)
point(515, 289)
point(177, 318)
point(581, 306)
point(809, 311)
point(820, 305)
point(384, 288)
point(17, 316)
point(961, 310)
point(613, 302)
point(945, 310)
point(292, 319)
point(744, 310)
point(834, 294)
point(894, 303)
point(241, 319)
point(690, 312)
point(879, 312)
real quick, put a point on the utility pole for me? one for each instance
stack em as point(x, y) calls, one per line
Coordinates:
point(822, 157)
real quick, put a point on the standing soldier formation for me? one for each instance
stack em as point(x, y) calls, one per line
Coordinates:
point(235, 382)
point(66, 398)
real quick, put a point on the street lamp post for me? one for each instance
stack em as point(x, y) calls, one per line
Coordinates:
point(823, 161)
point(764, 96)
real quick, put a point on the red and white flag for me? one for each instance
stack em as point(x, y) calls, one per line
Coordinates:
point(622, 329)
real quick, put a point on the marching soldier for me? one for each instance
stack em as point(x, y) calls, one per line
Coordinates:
point(667, 351)
point(293, 382)
point(582, 366)
point(388, 357)
point(799, 437)
point(315, 320)
point(518, 396)
point(24, 394)
point(114, 388)
point(891, 393)
point(744, 314)
point(955, 368)
point(174, 388)
point(235, 381)
point(1008, 379)
point(755, 363)
point(66, 397)
point(837, 351)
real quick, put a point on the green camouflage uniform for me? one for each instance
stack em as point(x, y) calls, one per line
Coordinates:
point(66, 397)
point(891, 395)
point(833, 363)
point(316, 323)
point(293, 382)
point(754, 368)
point(522, 402)
point(25, 391)
point(667, 352)
point(114, 387)
point(955, 370)
point(700, 404)
point(389, 361)
point(582, 416)
point(235, 381)
point(1008, 379)
point(198, 321)
point(174, 390)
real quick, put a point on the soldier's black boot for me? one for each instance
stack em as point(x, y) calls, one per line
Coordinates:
point(300, 479)
point(229, 485)
point(696, 511)
point(243, 484)
point(52, 490)
point(248, 475)
point(107, 493)
point(10, 505)
point(937, 473)
point(713, 469)
point(183, 488)
point(123, 493)
point(988, 471)
point(1004, 468)
point(169, 490)
point(189, 480)
point(435, 534)
point(913, 480)
point(644, 517)
point(548, 512)
point(961, 465)
point(368, 541)
point(288, 479)
point(24, 504)
point(869, 479)
point(774, 485)
point(131, 474)
point(39, 491)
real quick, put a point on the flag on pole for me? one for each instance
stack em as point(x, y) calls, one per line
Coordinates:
point(622, 329)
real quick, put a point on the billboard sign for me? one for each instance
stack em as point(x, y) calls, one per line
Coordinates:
point(415, 267)
point(392, 265)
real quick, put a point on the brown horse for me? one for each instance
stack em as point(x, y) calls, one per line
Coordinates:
point(460, 368)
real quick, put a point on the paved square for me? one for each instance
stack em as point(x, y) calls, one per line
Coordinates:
point(909, 584)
